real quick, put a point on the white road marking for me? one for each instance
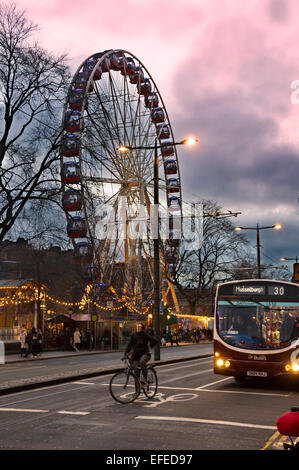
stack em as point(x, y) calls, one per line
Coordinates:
point(83, 383)
point(206, 421)
point(24, 410)
point(236, 391)
point(172, 367)
point(42, 396)
point(212, 383)
point(244, 393)
point(177, 388)
point(176, 379)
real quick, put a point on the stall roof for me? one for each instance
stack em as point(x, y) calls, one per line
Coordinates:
point(9, 283)
point(14, 282)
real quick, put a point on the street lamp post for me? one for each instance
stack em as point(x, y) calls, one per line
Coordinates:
point(125, 148)
point(258, 244)
point(156, 257)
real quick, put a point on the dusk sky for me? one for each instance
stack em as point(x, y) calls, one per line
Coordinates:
point(224, 69)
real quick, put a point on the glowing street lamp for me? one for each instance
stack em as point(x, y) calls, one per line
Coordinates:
point(258, 246)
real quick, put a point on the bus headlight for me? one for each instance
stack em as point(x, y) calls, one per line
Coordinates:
point(219, 362)
point(294, 367)
point(227, 363)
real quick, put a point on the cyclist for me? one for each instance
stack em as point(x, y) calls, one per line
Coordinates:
point(139, 345)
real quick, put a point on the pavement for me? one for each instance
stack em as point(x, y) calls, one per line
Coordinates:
point(19, 374)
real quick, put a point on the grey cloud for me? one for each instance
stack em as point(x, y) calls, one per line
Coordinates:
point(239, 164)
point(236, 153)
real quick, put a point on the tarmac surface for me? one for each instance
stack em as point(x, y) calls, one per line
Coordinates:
point(56, 367)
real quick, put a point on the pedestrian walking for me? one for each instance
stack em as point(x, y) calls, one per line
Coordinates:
point(197, 335)
point(34, 343)
point(84, 339)
point(175, 338)
point(68, 340)
point(77, 339)
point(23, 340)
point(39, 342)
point(28, 342)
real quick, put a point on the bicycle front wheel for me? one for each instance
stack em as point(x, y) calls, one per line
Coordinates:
point(151, 386)
point(124, 387)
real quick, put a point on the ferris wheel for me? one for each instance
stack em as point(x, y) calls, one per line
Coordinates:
point(107, 195)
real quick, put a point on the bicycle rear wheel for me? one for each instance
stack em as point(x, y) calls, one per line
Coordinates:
point(124, 387)
point(151, 386)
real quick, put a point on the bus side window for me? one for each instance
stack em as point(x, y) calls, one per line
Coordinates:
point(295, 332)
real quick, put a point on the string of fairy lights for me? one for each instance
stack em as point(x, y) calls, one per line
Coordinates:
point(21, 297)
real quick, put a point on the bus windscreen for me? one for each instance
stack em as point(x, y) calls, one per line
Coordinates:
point(258, 325)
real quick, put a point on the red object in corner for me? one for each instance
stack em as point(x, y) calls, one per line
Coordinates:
point(288, 424)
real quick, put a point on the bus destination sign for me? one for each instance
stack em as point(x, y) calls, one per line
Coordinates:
point(249, 290)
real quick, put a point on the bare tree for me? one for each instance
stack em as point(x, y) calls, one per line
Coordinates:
point(198, 272)
point(247, 269)
point(33, 86)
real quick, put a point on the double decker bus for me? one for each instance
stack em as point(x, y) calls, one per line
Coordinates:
point(256, 328)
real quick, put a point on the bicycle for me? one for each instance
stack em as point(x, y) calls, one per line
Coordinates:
point(288, 425)
point(125, 386)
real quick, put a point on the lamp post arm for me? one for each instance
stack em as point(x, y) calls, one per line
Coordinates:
point(153, 147)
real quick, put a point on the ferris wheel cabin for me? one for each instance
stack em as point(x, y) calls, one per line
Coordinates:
point(158, 115)
point(70, 146)
point(145, 87)
point(172, 185)
point(138, 76)
point(76, 227)
point(151, 100)
point(70, 173)
point(163, 131)
point(72, 121)
point(71, 200)
point(83, 252)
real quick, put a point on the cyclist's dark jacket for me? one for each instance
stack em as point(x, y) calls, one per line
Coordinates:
point(139, 344)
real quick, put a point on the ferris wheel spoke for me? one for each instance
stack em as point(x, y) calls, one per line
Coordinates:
point(128, 123)
point(104, 163)
point(113, 124)
point(103, 159)
point(129, 109)
point(104, 141)
point(118, 165)
point(116, 106)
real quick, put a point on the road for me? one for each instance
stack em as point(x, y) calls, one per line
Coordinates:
point(60, 366)
point(194, 409)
